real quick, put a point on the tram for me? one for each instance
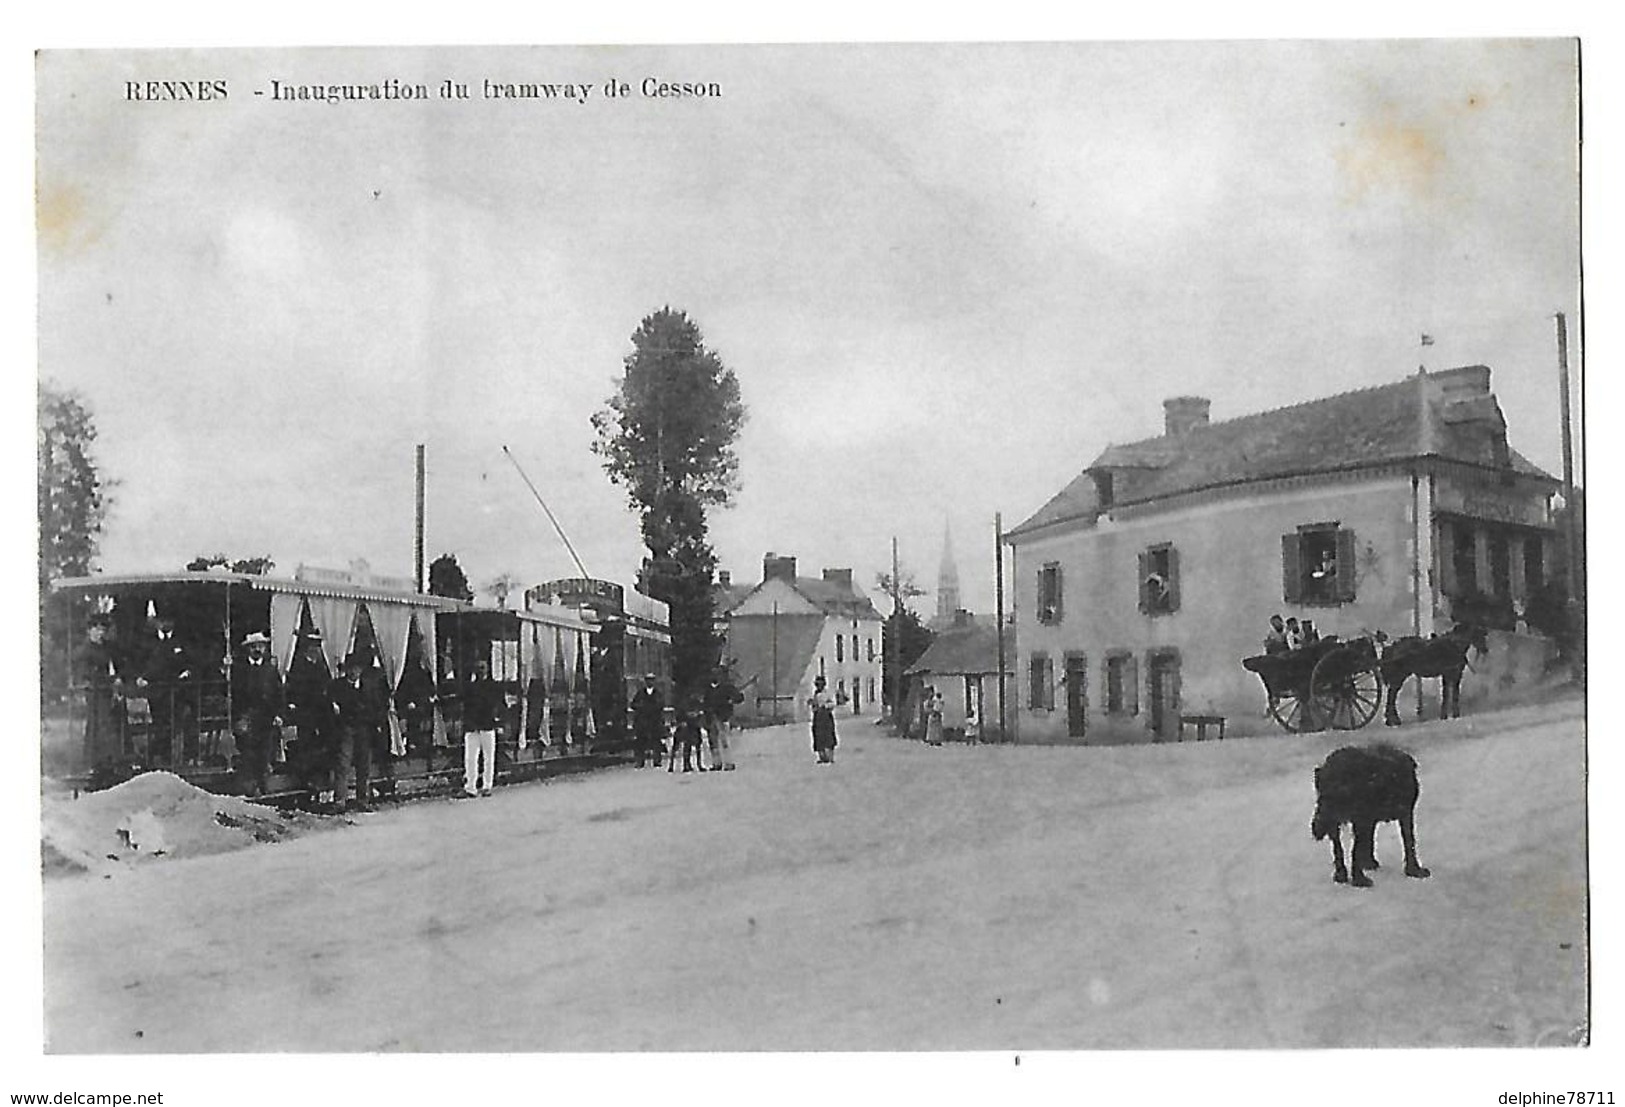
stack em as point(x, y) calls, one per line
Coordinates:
point(148, 659)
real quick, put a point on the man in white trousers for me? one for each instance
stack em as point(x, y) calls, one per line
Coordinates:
point(483, 705)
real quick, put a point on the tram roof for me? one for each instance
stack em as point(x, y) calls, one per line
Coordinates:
point(546, 614)
point(111, 582)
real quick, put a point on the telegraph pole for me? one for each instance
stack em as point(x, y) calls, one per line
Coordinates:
point(896, 639)
point(998, 607)
point(417, 534)
point(1571, 563)
point(775, 662)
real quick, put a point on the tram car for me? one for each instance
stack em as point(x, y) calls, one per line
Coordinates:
point(149, 661)
point(631, 638)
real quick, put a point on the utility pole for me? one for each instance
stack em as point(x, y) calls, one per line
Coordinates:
point(775, 662)
point(1571, 563)
point(998, 611)
point(417, 532)
point(896, 638)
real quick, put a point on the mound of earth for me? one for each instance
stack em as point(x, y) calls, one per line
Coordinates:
point(156, 816)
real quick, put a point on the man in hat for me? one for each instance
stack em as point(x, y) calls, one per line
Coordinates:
point(310, 706)
point(166, 677)
point(257, 700)
point(359, 715)
point(648, 718)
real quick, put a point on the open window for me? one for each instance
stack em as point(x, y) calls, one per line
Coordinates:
point(1317, 565)
point(1049, 593)
point(1159, 580)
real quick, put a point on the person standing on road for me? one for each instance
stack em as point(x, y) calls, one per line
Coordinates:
point(483, 704)
point(823, 723)
point(687, 736)
point(720, 699)
point(359, 715)
point(257, 700)
point(933, 718)
point(648, 718)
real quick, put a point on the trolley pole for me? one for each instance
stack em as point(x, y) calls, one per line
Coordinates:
point(998, 610)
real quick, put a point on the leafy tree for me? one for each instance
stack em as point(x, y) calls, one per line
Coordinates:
point(73, 502)
point(667, 437)
point(251, 566)
point(904, 640)
point(500, 587)
point(73, 497)
point(446, 578)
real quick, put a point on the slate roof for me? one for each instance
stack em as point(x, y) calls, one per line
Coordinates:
point(830, 597)
point(751, 646)
point(1351, 430)
point(964, 650)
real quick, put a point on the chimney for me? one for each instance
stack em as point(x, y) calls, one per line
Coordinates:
point(1463, 383)
point(1183, 414)
point(843, 577)
point(780, 568)
point(725, 579)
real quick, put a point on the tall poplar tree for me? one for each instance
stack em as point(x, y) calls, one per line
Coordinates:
point(667, 437)
point(73, 502)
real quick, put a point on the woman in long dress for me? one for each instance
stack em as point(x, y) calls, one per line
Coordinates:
point(823, 723)
point(933, 719)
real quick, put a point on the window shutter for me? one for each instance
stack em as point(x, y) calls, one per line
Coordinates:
point(1131, 685)
point(1049, 684)
point(1345, 565)
point(1139, 583)
point(1291, 569)
point(1043, 598)
point(1173, 579)
point(1035, 677)
point(1058, 594)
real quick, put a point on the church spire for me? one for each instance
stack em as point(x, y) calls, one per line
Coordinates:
point(947, 580)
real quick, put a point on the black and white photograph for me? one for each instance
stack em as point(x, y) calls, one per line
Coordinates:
point(998, 552)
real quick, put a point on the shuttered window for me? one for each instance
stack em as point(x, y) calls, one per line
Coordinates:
point(1049, 593)
point(1159, 580)
point(1040, 683)
point(1318, 565)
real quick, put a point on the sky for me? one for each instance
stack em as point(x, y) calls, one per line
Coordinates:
point(946, 276)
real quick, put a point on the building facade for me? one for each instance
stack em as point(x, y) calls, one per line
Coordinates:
point(783, 633)
point(1142, 585)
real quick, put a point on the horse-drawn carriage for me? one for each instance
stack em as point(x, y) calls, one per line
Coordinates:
point(1328, 683)
point(1340, 684)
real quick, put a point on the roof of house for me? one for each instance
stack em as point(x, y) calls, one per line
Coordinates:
point(965, 649)
point(1351, 430)
point(754, 643)
point(831, 597)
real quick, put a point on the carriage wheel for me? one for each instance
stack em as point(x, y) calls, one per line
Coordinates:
point(1291, 712)
point(1346, 690)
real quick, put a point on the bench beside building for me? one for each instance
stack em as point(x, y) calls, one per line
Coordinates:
point(1143, 583)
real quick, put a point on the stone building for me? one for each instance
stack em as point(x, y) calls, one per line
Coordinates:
point(1142, 584)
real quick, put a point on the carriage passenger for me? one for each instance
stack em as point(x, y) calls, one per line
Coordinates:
point(1294, 634)
point(1275, 640)
point(166, 677)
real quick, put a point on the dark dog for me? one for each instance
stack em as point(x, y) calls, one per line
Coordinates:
point(1364, 786)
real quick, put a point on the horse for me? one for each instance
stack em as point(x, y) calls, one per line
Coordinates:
point(1444, 657)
